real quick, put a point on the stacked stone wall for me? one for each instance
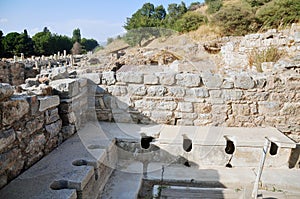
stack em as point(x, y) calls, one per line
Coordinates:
point(240, 100)
point(33, 126)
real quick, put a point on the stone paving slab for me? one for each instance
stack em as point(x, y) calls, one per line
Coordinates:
point(59, 166)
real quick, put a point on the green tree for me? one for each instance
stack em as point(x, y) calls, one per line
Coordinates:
point(1, 44)
point(190, 21)
point(61, 43)
point(279, 13)
point(175, 12)
point(43, 43)
point(25, 44)
point(10, 43)
point(76, 35)
point(89, 44)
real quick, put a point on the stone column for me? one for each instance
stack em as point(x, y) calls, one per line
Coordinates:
point(22, 56)
point(65, 54)
point(15, 58)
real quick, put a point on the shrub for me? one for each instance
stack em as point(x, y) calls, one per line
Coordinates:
point(190, 21)
point(279, 13)
point(213, 6)
point(256, 57)
point(236, 20)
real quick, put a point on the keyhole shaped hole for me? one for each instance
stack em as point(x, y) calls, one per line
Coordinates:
point(230, 148)
point(187, 144)
point(273, 148)
point(145, 141)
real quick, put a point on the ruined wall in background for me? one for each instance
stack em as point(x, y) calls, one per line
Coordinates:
point(240, 100)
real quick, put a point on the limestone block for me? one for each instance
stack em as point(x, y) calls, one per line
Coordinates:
point(166, 78)
point(139, 90)
point(212, 80)
point(202, 108)
point(291, 109)
point(54, 128)
point(185, 122)
point(65, 88)
point(164, 117)
point(185, 107)
point(157, 91)
point(67, 131)
point(48, 102)
point(6, 91)
point(108, 78)
point(201, 92)
point(176, 91)
point(32, 126)
point(269, 108)
point(150, 79)
point(51, 116)
point(244, 81)
point(130, 77)
point(227, 84)
point(69, 118)
point(33, 104)
point(35, 144)
point(203, 119)
point(190, 116)
point(188, 80)
point(145, 104)
point(241, 109)
point(82, 82)
point(59, 73)
point(118, 90)
point(7, 137)
point(13, 110)
point(234, 95)
point(167, 105)
point(93, 77)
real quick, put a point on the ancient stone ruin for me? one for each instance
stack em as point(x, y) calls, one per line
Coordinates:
point(155, 132)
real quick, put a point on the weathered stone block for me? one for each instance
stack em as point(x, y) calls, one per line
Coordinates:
point(145, 104)
point(166, 78)
point(6, 91)
point(32, 126)
point(13, 110)
point(118, 90)
point(212, 80)
point(36, 144)
point(130, 77)
point(185, 107)
point(182, 115)
point(227, 84)
point(54, 128)
point(150, 79)
point(65, 88)
point(108, 78)
point(188, 80)
point(291, 109)
point(229, 95)
point(201, 92)
point(157, 91)
point(68, 131)
point(93, 77)
point(59, 73)
point(241, 109)
point(139, 90)
point(51, 116)
point(48, 102)
point(7, 137)
point(202, 108)
point(167, 105)
point(269, 108)
point(244, 81)
point(176, 91)
point(164, 117)
point(185, 122)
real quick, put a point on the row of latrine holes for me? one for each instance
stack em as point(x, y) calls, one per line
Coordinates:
point(188, 145)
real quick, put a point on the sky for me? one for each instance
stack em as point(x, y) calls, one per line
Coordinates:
point(96, 19)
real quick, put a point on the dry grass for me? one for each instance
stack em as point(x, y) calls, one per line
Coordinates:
point(206, 33)
point(256, 57)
